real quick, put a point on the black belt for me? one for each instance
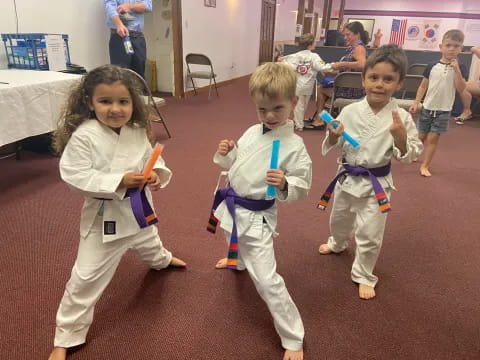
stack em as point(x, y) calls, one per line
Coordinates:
point(131, 33)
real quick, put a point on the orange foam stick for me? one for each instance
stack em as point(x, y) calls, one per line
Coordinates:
point(157, 151)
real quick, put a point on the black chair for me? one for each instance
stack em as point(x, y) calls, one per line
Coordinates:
point(347, 79)
point(411, 83)
point(416, 69)
point(200, 59)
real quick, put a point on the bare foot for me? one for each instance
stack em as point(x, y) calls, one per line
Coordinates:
point(425, 172)
point(299, 129)
point(366, 292)
point(177, 262)
point(465, 115)
point(221, 264)
point(293, 355)
point(324, 249)
point(58, 353)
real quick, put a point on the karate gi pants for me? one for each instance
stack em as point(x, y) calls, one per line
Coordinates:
point(363, 217)
point(299, 111)
point(257, 256)
point(94, 268)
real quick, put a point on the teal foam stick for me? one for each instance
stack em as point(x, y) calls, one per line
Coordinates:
point(327, 118)
point(272, 190)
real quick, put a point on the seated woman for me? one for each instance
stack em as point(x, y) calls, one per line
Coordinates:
point(472, 89)
point(356, 39)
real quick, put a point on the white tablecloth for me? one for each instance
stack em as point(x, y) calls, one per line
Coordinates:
point(30, 102)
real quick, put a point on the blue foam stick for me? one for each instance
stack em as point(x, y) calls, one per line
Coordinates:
point(327, 118)
point(272, 190)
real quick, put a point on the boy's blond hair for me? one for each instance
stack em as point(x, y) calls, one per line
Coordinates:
point(273, 80)
point(454, 35)
point(306, 40)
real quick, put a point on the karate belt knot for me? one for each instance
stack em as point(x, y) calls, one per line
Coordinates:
point(373, 173)
point(231, 198)
point(141, 208)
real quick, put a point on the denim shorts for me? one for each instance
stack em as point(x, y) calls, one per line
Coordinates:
point(433, 121)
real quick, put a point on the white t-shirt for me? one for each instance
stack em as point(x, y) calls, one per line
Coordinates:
point(441, 86)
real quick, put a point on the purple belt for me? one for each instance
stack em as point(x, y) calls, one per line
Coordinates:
point(231, 198)
point(141, 208)
point(373, 173)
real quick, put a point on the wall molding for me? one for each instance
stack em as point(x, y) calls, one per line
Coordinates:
point(420, 14)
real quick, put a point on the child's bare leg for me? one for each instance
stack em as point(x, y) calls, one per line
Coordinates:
point(466, 98)
point(321, 99)
point(221, 264)
point(58, 353)
point(177, 262)
point(366, 292)
point(431, 143)
point(293, 355)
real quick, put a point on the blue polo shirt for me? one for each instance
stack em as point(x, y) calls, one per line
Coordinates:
point(134, 25)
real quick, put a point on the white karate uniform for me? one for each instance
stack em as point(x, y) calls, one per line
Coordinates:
point(355, 208)
point(93, 164)
point(248, 163)
point(307, 64)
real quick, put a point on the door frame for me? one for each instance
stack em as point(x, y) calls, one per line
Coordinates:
point(178, 78)
point(263, 19)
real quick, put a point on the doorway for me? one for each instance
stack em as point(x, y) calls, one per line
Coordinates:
point(163, 30)
point(267, 30)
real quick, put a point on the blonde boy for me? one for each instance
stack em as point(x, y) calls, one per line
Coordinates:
point(250, 221)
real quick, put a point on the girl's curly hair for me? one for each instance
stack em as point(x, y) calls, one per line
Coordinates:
point(77, 110)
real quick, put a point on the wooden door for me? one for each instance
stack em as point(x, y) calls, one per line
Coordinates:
point(267, 31)
point(177, 48)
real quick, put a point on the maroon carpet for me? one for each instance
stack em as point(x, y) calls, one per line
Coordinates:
point(427, 304)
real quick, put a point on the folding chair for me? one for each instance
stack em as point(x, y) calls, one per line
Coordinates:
point(152, 101)
point(200, 59)
point(347, 79)
point(416, 69)
point(411, 83)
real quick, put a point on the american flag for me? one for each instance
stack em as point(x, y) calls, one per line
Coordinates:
point(397, 35)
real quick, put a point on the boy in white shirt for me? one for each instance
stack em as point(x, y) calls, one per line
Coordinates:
point(440, 81)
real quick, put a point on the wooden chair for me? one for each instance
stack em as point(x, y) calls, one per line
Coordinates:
point(152, 101)
point(200, 59)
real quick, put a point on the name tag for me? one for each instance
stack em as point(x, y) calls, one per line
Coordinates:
point(109, 227)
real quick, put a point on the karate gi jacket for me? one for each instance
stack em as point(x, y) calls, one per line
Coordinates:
point(376, 147)
point(93, 164)
point(247, 166)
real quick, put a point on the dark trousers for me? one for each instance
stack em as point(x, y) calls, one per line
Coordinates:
point(118, 55)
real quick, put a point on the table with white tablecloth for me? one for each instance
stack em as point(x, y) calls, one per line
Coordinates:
point(30, 102)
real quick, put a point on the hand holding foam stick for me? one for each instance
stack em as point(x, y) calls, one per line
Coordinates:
point(271, 190)
point(325, 116)
point(157, 151)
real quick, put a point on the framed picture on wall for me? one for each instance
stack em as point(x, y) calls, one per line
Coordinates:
point(210, 3)
point(367, 25)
